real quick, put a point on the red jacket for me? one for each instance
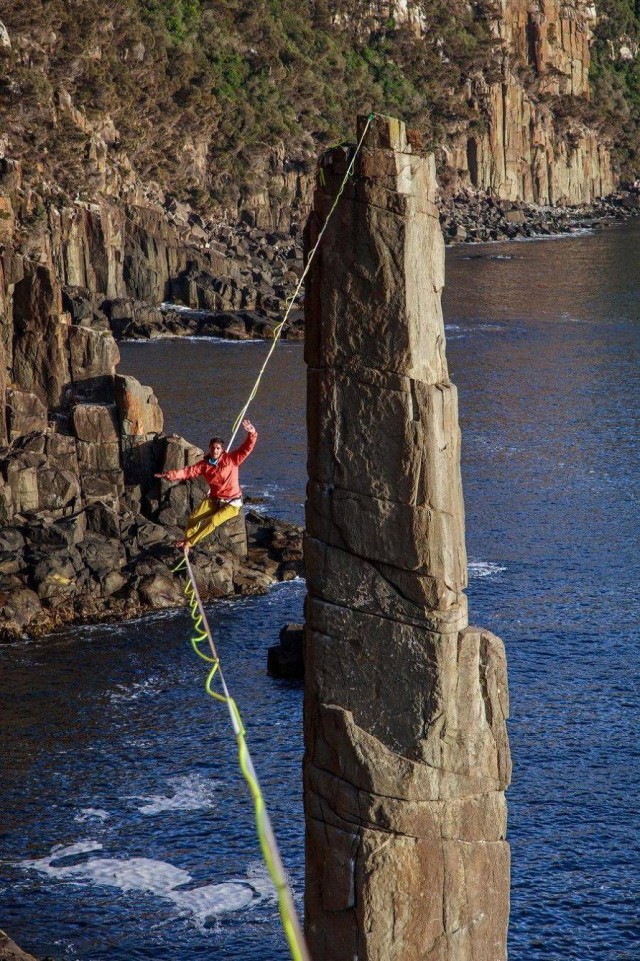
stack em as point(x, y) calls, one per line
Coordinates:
point(223, 477)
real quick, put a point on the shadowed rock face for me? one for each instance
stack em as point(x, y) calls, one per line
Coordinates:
point(87, 532)
point(407, 755)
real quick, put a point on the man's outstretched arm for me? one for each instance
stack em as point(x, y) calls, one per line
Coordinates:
point(184, 473)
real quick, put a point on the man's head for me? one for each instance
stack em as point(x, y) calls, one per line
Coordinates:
point(216, 447)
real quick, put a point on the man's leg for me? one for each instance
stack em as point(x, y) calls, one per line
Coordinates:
point(201, 515)
point(206, 518)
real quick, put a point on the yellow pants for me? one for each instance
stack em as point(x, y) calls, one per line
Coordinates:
point(209, 514)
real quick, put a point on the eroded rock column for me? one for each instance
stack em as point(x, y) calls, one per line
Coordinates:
point(406, 756)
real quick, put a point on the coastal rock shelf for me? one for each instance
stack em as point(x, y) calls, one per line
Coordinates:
point(407, 756)
point(87, 532)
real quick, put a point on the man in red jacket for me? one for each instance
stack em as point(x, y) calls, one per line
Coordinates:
point(220, 470)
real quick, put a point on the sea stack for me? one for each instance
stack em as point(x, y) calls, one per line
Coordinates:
point(407, 756)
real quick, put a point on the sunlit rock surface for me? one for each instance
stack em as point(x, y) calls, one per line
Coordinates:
point(407, 755)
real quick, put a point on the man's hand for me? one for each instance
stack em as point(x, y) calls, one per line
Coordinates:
point(159, 475)
point(248, 426)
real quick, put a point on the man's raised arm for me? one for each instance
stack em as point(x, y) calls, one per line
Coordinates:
point(247, 445)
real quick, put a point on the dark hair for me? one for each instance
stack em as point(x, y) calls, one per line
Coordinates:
point(216, 440)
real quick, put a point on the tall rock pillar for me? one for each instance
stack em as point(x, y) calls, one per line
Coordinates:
point(407, 755)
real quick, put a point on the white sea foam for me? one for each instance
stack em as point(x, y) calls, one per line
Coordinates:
point(214, 899)
point(562, 235)
point(489, 256)
point(456, 331)
point(484, 568)
point(195, 338)
point(569, 318)
point(147, 688)
point(179, 308)
point(65, 947)
point(159, 878)
point(59, 852)
point(260, 880)
point(190, 793)
point(92, 814)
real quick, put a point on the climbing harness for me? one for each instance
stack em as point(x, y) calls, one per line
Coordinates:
point(202, 634)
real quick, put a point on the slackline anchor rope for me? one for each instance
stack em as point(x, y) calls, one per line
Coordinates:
point(277, 330)
point(266, 837)
point(202, 633)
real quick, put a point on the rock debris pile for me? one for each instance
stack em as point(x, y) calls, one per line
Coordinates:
point(476, 217)
point(257, 273)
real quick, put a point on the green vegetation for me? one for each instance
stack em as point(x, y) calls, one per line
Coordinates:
point(203, 91)
point(232, 78)
point(616, 79)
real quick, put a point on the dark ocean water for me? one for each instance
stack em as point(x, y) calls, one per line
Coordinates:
point(126, 832)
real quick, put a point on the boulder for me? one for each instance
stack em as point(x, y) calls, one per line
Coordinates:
point(102, 486)
point(55, 576)
point(63, 532)
point(93, 358)
point(138, 408)
point(6, 502)
point(286, 659)
point(99, 456)
point(26, 413)
point(62, 452)
point(23, 482)
point(95, 423)
point(58, 490)
point(160, 590)
point(101, 554)
point(19, 609)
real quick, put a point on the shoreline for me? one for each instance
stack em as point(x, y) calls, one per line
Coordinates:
point(479, 218)
point(252, 312)
point(147, 582)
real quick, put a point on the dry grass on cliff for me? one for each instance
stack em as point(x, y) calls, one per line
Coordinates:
point(197, 85)
point(204, 93)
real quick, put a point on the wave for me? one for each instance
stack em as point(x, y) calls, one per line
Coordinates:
point(190, 793)
point(91, 814)
point(562, 235)
point(456, 331)
point(160, 878)
point(196, 338)
point(147, 688)
point(484, 568)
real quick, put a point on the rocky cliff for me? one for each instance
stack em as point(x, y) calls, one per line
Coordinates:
point(406, 754)
point(526, 151)
point(86, 531)
point(149, 108)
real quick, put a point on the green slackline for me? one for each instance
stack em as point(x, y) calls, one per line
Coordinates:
point(202, 634)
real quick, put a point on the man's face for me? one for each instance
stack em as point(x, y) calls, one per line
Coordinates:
point(215, 450)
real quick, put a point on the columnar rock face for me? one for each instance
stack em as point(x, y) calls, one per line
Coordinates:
point(527, 151)
point(407, 755)
point(523, 155)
